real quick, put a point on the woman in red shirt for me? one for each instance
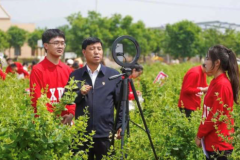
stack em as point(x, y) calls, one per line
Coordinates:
point(137, 70)
point(218, 102)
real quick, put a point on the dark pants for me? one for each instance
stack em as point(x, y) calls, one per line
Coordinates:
point(186, 111)
point(213, 155)
point(100, 147)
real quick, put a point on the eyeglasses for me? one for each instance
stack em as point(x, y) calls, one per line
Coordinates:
point(57, 43)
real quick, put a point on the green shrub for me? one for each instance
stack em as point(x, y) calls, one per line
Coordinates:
point(22, 136)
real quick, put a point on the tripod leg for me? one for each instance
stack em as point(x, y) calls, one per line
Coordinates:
point(144, 122)
point(128, 119)
point(117, 115)
point(124, 113)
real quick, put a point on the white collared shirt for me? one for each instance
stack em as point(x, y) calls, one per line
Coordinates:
point(93, 75)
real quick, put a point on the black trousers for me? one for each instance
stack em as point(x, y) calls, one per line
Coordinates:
point(100, 147)
point(186, 111)
point(213, 155)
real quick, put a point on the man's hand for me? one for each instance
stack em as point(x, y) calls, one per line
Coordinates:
point(199, 94)
point(118, 133)
point(85, 89)
point(203, 89)
point(198, 142)
point(67, 119)
point(139, 93)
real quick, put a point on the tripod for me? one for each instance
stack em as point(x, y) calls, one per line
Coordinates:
point(126, 72)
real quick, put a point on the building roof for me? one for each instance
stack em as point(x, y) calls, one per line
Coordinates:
point(3, 13)
point(219, 25)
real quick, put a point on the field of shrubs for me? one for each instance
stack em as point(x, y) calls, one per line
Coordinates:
point(22, 136)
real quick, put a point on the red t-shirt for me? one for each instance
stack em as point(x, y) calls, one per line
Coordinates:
point(194, 78)
point(55, 77)
point(9, 69)
point(130, 94)
point(222, 86)
point(2, 74)
point(22, 71)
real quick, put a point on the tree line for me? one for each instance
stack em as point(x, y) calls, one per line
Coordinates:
point(183, 39)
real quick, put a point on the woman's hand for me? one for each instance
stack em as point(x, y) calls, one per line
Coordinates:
point(198, 142)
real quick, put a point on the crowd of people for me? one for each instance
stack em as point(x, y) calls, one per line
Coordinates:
point(23, 70)
point(101, 95)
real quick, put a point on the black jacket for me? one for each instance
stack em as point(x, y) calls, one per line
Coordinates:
point(100, 100)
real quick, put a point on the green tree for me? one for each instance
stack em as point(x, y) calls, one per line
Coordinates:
point(182, 39)
point(17, 38)
point(68, 36)
point(209, 38)
point(149, 40)
point(157, 40)
point(140, 33)
point(33, 38)
point(231, 40)
point(92, 26)
point(119, 26)
point(237, 42)
point(108, 29)
point(3, 41)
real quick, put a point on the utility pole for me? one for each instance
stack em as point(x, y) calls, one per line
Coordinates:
point(96, 5)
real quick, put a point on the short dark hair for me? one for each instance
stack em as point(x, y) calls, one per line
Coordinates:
point(34, 62)
point(89, 41)
point(137, 67)
point(9, 59)
point(52, 33)
point(13, 65)
point(25, 64)
point(75, 65)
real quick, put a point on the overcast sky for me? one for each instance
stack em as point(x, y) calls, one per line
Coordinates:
point(154, 13)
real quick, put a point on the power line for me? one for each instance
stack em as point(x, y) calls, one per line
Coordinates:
point(186, 5)
point(165, 3)
point(13, 0)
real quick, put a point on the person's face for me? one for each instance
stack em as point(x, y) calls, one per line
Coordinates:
point(9, 62)
point(93, 53)
point(209, 68)
point(55, 47)
point(14, 69)
point(135, 73)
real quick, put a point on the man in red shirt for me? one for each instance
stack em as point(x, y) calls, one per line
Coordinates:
point(193, 86)
point(52, 73)
point(2, 74)
point(18, 70)
point(9, 62)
